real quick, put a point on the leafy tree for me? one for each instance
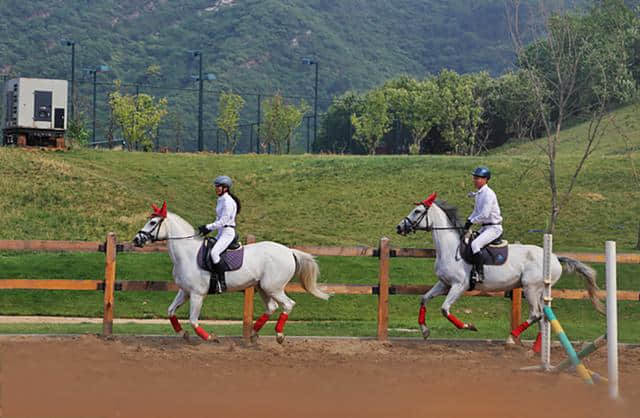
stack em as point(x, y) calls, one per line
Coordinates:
point(229, 115)
point(138, 116)
point(374, 122)
point(280, 122)
point(461, 115)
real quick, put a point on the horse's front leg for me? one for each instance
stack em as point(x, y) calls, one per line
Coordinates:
point(455, 292)
point(178, 301)
point(195, 303)
point(437, 290)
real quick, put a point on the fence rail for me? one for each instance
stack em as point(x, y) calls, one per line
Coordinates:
point(383, 289)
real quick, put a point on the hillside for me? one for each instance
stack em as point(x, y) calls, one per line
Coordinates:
point(314, 199)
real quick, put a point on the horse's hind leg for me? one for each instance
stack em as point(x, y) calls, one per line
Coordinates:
point(287, 306)
point(195, 303)
point(437, 290)
point(270, 307)
point(533, 295)
point(178, 301)
point(455, 292)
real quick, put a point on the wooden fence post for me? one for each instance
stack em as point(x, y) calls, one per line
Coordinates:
point(516, 308)
point(109, 281)
point(247, 314)
point(383, 290)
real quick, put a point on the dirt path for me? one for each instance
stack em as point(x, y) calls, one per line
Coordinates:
point(166, 377)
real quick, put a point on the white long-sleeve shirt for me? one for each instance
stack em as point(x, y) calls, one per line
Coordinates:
point(226, 210)
point(486, 210)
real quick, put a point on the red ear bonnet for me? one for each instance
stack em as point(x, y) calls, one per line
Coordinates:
point(161, 212)
point(429, 200)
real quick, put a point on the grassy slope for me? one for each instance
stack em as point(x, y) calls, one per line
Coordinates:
point(337, 200)
point(302, 199)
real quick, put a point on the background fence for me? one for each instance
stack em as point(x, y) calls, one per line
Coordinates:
point(382, 290)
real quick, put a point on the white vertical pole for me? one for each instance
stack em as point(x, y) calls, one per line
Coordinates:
point(612, 319)
point(545, 352)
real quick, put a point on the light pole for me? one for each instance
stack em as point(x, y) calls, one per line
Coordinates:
point(200, 78)
point(309, 61)
point(72, 44)
point(94, 72)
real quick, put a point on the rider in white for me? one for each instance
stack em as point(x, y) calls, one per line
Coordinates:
point(487, 213)
point(227, 207)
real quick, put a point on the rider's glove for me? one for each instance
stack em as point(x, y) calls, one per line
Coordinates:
point(467, 226)
point(203, 230)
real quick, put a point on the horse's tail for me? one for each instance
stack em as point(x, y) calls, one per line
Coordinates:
point(307, 271)
point(569, 265)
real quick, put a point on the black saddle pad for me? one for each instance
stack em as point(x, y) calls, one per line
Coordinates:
point(231, 259)
point(494, 254)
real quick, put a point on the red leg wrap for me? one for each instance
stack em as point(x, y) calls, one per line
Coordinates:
point(175, 324)
point(202, 333)
point(455, 321)
point(281, 320)
point(260, 322)
point(422, 315)
point(516, 332)
point(537, 346)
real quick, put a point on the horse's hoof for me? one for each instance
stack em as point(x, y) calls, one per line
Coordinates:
point(280, 338)
point(425, 331)
point(213, 339)
point(471, 327)
point(253, 338)
point(529, 354)
point(513, 341)
point(185, 335)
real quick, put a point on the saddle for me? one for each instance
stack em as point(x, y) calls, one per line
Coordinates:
point(494, 254)
point(231, 259)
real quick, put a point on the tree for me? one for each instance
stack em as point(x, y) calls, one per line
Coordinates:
point(229, 115)
point(416, 104)
point(374, 122)
point(280, 122)
point(138, 116)
point(460, 114)
point(578, 69)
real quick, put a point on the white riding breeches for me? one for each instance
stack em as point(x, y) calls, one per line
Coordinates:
point(225, 236)
point(487, 234)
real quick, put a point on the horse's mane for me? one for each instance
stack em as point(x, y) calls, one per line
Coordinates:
point(451, 211)
point(182, 223)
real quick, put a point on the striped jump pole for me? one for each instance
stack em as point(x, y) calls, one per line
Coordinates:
point(592, 347)
point(564, 340)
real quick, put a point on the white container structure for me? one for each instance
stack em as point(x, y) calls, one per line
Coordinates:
point(36, 110)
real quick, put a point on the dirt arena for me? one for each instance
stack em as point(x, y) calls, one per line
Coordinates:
point(166, 377)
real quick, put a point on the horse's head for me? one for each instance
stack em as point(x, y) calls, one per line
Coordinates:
point(154, 229)
point(417, 219)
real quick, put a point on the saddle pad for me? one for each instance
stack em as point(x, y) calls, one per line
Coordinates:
point(231, 259)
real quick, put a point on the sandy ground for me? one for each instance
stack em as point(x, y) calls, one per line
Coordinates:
point(89, 376)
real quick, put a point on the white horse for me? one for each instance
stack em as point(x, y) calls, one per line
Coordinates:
point(523, 268)
point(267, 265)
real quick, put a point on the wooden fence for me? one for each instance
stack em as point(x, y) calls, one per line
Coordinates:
point(383, 289)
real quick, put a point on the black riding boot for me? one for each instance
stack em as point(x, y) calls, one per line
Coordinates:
point(478, 268)
point(218, 283)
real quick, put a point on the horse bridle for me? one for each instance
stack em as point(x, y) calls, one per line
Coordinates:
point(414, 225)
point(157, 229)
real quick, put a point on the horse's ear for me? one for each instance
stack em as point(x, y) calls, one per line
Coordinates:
point(155, 208)
point(163, 210)
point(429, 200)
